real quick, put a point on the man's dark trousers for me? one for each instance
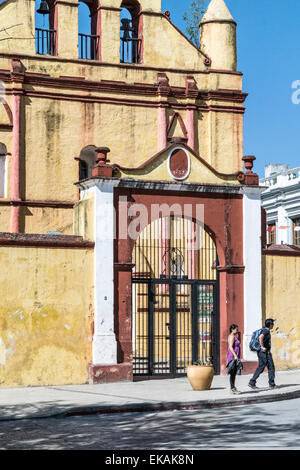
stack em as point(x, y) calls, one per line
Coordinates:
point(264, 360)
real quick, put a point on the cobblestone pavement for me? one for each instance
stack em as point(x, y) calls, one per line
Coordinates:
point(256, 426)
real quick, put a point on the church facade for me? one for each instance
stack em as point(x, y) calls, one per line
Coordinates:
point(131, 223)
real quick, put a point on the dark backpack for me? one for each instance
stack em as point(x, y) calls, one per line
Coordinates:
point(254, 344)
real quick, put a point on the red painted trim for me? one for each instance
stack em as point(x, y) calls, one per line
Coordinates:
point(124, 266)
point(68, 4)
point(231, 269)
point(190, 123)
point(15, 220)
point(110, 86)
point(249, 367)
point(6, 127)
point(128, 102)
point(110, 373)
point(50, 204)
point(282, 250)
point(162, 128)
point(223, 221)
point(218, 21)
point(8, 112)
point(110, 8)
point(48, 241)
point(176, 115)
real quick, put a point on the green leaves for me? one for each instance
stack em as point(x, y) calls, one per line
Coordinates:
point(192, 17)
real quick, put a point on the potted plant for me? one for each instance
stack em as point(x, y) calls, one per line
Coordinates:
point(200, 374)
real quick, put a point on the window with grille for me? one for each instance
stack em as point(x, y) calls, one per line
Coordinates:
point(296, 231)
point(271, 234)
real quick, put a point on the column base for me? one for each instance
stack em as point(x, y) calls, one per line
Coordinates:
point(249, 367)
point(108, 373)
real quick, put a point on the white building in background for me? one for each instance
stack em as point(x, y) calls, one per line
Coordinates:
point(281, 201)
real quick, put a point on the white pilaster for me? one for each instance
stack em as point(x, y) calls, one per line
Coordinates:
point(104, 340)
point(253, 271)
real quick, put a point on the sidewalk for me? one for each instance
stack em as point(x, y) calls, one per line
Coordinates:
point(148, 395)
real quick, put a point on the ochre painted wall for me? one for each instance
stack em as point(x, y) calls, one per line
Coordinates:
point(45, 323)
point(59, 120)
point(281, 300)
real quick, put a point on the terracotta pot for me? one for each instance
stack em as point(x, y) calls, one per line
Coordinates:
point(200, 377)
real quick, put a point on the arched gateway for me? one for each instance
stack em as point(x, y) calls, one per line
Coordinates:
point(175, 315)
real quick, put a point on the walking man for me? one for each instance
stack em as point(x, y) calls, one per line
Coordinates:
point(265, 356)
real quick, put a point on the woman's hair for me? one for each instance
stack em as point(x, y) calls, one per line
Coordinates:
point(233, 327)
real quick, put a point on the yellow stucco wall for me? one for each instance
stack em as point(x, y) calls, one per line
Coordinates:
point(5, 218)
point(57, 128)
point(281, 300)
point(19, 34)
point(84, 218)
point(45, 324)
point(46, 219)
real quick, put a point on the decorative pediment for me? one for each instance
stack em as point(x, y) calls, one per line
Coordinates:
point(178, 162)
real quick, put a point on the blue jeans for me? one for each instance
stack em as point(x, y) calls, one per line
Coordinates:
point(264, 360)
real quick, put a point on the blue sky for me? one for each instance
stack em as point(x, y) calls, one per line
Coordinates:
point(269, 57)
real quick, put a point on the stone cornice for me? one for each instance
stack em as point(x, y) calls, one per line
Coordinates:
point(96, 63)
point(282, 250)
point(154, 185)
point(110, 86)
point(44, 241)
point(32, 203)
point(281, 190)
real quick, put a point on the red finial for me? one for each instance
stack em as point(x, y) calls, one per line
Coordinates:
point(102, 168)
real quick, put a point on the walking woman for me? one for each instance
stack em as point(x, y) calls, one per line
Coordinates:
point(233, 356)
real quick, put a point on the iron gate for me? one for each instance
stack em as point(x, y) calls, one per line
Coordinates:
point(175, 298)
point(175, 324)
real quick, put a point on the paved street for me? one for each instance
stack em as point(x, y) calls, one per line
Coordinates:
point(256, 426)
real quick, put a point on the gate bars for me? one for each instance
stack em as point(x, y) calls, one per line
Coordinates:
point(175, 306)
point(175, 324)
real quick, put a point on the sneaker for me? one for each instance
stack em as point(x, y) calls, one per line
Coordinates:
point(235, 391)
point(271, 387)
point(254, 387)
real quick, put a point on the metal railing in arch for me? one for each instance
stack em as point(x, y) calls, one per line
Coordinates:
point(175, 298)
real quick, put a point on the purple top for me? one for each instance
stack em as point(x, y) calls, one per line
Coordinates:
point(237, 350)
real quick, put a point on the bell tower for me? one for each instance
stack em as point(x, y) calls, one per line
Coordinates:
point(218, 36)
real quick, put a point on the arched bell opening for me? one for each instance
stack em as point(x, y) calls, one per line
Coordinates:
point(131, 32)
point(89, 29)
point(175, 311)
point(45, 27)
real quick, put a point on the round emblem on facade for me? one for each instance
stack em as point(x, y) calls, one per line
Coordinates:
point(179, 163)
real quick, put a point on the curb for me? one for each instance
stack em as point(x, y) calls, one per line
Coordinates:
point(144, 407)
point(156, 407)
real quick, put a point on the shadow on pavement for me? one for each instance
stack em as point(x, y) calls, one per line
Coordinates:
point(189, 430)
